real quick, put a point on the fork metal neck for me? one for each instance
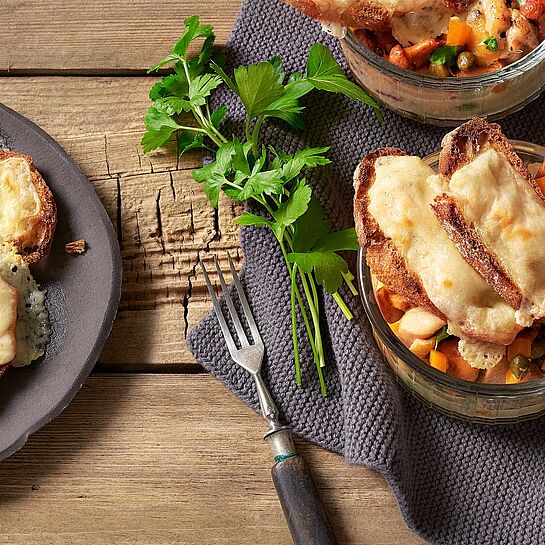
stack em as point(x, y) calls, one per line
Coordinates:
point(268, 407)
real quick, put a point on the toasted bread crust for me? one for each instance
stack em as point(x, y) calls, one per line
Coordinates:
point(460, 147)
point(36, 244)
point(367, 228)
point(469, 244)
point(361, 14)
point(383, 258)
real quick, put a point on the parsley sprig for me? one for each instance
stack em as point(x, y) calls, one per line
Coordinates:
point(246, 170)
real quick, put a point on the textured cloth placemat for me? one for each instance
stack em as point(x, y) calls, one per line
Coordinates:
point(455, 483)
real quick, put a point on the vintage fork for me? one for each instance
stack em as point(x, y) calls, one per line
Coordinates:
point(303, 509)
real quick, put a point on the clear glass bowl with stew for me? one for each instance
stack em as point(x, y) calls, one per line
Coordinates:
point(474, 401)
point(446, 101)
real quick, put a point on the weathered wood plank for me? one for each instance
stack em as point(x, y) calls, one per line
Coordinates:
point(164, 220)
point(162, 459)
point(96, 36)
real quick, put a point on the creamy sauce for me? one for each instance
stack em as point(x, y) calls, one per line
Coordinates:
point(415, 26)
point(510, 220)
point(399, 200)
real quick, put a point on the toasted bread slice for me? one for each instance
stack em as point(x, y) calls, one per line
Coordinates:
point(494, 213)
point(408, 250)
point(355, 14)
point(382, 256)
point(28, 215)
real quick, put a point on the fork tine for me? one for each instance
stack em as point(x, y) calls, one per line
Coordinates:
point(221, 319)
point(244, 301)
point(233, 311)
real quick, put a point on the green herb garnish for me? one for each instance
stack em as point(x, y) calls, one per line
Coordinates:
point(246, 170)
point(491, 43)
point(446, 54)
point(442, 335)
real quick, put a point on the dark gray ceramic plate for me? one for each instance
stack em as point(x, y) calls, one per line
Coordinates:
point(83, 291)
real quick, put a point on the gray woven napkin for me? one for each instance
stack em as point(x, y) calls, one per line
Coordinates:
point(455, 483)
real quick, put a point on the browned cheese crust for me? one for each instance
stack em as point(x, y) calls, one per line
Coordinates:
point(474, 251)
point(361, 14)
point(35, 244)
point(383, 258)
point(460, 147)
point(457, 5)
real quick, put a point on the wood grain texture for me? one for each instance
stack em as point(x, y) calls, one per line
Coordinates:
point(163, 218)
point(141, 459)
point(93, 36)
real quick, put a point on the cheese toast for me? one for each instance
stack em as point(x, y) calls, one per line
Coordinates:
point(408, 250)
point(494, 212)
point(28, 215)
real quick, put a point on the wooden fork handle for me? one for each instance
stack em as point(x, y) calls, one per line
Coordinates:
point(302, 506)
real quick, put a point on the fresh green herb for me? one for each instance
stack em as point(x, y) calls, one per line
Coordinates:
point(246, 170)
point(446, 54)
point(442, 335)
point(491, 43)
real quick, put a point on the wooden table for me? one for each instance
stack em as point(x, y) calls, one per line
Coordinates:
point(152, 450)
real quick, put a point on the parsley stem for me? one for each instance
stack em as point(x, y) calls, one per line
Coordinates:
point(305, 317)
point(247, 129)
point(255, 134)
point(348, 277)
point(208, 128)
point(293, 278)
point(342, 305)
point(194, 129)
point(315, 319)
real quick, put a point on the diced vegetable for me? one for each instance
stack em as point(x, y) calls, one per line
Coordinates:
point(480, 70)
point(398, 57)
point(458, 32)
point(532, 9)
point(394, 327)
point(538, 348)
point(519, 366)
point(476, 39)
point(391, 314)
point(457, 366)
point(400, 302)
point(465, 60)
point(438, 360)
point(533, 374)
point(422, 347)
point(418, 323)
point(496, 374)
point(419, 53)
point(439, 70)
point(519, 347)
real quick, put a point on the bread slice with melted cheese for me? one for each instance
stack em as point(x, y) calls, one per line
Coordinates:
point(28, 214)
point(409, 251)
point(494, 213)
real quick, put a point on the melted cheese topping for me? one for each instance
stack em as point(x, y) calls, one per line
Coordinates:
point(510, 219)
point(394, 6)
point(9, 297)
point(33, 330)
point(20, 202)
point(399, 200)
point(415, 26)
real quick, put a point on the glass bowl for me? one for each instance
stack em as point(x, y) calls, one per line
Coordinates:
point(446, 101)
point(472, 401)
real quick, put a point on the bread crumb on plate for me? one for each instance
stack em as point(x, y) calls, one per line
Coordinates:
point(76, 247)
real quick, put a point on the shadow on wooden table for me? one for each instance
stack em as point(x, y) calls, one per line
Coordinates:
point(52, 453)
